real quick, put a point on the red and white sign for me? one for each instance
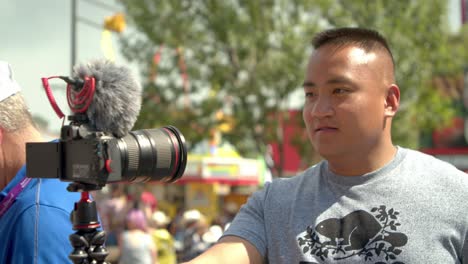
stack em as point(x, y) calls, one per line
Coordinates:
point(458, 157)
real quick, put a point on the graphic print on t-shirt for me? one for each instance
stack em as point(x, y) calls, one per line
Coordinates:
point(369, 236)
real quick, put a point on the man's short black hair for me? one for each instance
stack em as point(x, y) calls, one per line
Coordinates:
point(367, 39)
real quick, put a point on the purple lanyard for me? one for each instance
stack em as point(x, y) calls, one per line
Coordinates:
point(6, 203)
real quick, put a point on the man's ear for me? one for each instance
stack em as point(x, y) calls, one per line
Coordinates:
point(392, 100)
point(1, 136)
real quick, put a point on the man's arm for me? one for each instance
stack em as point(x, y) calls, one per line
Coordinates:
point(249, 223)
point(230, 249)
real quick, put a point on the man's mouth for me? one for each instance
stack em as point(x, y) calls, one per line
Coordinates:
point(325, 128)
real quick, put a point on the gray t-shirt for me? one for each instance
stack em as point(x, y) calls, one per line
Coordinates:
point(413, 210)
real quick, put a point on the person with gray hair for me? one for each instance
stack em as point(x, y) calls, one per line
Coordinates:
point(34, 213)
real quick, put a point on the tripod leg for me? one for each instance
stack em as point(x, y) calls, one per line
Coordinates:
point(80, 245)
point(99, 252)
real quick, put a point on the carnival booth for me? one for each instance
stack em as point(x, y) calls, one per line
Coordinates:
point(217, 180)
point(217, 176)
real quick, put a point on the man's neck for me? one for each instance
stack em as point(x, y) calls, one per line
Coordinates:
point(360, 164)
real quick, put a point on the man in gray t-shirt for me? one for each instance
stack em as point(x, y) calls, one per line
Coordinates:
point(412, 210)
point(368, 201)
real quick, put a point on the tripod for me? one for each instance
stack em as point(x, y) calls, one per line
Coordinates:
point(87, 241)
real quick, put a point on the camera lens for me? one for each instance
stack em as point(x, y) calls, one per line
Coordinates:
point(158, 154)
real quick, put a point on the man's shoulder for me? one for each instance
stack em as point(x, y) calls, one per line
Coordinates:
point(431, 163)
point(48, 192)
point(431, 170)
point(309, 175)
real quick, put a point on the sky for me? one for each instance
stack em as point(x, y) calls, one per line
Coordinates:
point(36, 41)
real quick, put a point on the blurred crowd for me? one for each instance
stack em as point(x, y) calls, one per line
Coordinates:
point(139, 232)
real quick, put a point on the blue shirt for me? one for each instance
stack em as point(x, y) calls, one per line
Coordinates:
point(35, 229)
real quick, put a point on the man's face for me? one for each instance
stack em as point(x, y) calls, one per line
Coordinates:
point(345, 100)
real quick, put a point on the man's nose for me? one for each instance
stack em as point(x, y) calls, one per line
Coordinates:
point(322, 107)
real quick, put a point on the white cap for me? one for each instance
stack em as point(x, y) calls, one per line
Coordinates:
point(191, 216)
point(160, 218)
point(8, 85)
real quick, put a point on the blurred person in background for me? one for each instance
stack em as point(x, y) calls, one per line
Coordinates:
point(229, 212)
point(114, 210)
point(148, 201)
point(194, 227)
point(136, 244)
point(162, 238)
point(211, 236)
point(176, 227)
point(34, 213)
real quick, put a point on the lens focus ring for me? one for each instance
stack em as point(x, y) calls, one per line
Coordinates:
point(133, 152)
point(164, 154)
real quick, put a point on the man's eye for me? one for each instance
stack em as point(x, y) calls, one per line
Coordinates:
point(309, 94)
point(340, 90)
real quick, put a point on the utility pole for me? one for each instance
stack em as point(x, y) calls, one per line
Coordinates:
point(73, 36)
point(117, 24)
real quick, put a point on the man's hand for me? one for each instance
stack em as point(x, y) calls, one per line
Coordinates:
point(230, 249)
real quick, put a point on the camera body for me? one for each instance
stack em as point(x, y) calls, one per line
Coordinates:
point(95, 158)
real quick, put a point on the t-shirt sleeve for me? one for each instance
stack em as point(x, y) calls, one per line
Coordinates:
point(464, 257)
point(46, 239)
point(249, 222)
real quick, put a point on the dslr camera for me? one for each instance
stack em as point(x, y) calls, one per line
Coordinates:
point(95, 158)
point(96, 147)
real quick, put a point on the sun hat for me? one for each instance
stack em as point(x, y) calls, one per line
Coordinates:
point(8, 85)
